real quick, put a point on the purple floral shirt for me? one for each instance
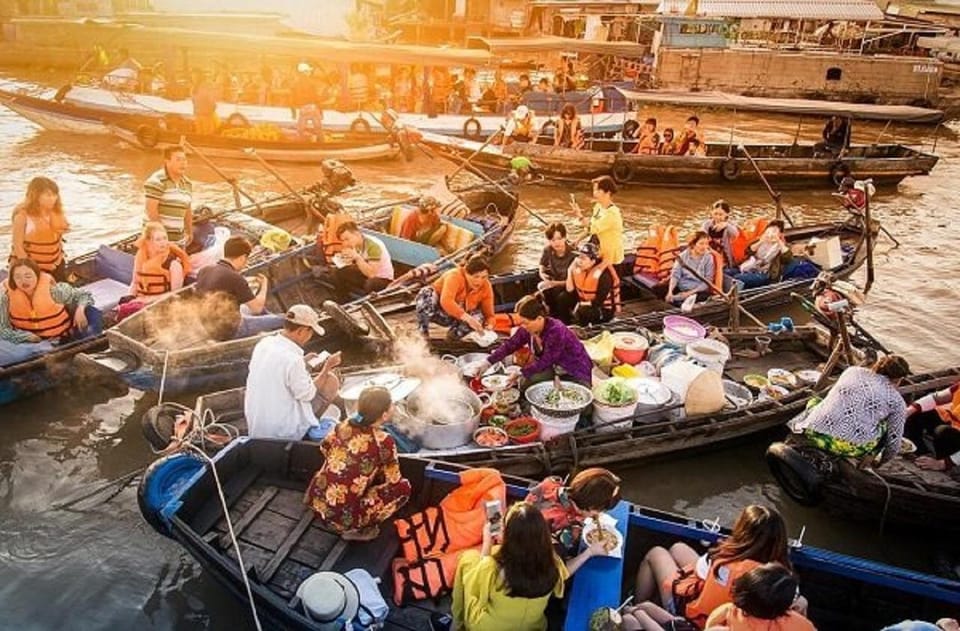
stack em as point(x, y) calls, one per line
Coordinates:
point(560, 349)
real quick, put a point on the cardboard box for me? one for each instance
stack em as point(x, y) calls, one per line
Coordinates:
point(825, 252)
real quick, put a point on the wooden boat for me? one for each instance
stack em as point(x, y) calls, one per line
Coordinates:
point(106, 273)
point(899, 492)
point(147, 350)
point(725, 165)
point(283, 543)
point(345, 147)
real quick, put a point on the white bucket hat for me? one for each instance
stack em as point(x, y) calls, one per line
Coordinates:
point(521, 111)
point(329, 599)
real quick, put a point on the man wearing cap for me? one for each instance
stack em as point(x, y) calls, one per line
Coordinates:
point(424, 225)
point(593, 286)
point(281, 396)
point(521, 126)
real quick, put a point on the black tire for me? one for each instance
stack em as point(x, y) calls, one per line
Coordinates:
point(157, 425)
point(630, 129)
point(471, 128)
point(621, 172)
point(148, 136)
point(360, 126)
point(838, 171)
point(797, 476)
point(548, 129)
point(349, 324)
point(730, 169)
point(238, 121)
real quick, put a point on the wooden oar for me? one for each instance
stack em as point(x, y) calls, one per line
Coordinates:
point(500, 186)
point(477, 152)
point(775, 195)
point(250, 151)
point(717, 290)
point(237, 191)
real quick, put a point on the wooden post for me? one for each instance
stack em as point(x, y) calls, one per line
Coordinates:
point(869, 236)
point(735, 308)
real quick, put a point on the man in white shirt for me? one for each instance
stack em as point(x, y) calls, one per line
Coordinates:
point(282, 396)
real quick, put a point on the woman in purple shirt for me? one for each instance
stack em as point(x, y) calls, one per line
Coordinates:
point(554, 347)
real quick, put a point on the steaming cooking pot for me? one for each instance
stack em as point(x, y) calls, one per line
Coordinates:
point(446, 423)
point(468, 364)
point(399, 386)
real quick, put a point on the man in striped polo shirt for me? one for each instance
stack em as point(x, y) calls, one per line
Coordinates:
point(170, 196)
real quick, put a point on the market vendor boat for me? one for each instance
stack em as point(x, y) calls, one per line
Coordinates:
point(283, 543)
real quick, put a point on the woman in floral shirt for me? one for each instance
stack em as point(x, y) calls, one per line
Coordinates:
point(359, 485)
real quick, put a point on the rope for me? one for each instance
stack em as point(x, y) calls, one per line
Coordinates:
point(201, 431)
point(163, 377)
point(886, 503)
point(233, 536)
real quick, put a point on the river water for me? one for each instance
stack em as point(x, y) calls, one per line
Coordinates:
point(104, 568)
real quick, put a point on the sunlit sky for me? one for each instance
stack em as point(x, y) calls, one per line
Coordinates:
point(323, 17)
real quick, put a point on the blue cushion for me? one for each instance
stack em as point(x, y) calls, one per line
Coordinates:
point(114, 263)
point(11, 353)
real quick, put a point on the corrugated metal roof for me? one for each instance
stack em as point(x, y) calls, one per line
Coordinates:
point(855, 10)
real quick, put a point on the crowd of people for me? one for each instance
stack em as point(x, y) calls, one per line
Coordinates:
point(651, 142)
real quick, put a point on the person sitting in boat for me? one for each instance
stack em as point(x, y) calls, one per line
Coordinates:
point(231, 309)
point(836, 136)
point(696, 148)
point(769, 256)
point(305, 97)
point(863, 413)
point(367, 265)
point(35, 307)
point(936, 415)
point(424, 225)
point(593, 283)
point(765, 597)
point(691, 131)
point(461, 299)
point(692, 586)
point(668, 145)
point(649, 140)
point(169, 195)
point(568, 132)
point(722, 232)
point(359, 485)
point(852, 198)
point(521, 126)
point(282, 399)
point(605, 223)
point(555, 261)
point(555, 349)
point(592, 491)
point(159, 266)
point(203, 96)
point(693, 271)
point(507, 586)
point(38, 228)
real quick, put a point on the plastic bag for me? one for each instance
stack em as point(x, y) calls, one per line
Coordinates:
point(600, 348)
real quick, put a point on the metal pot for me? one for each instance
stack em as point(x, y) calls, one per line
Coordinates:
point(537, 393)
point(654, 400)
point(444, 424)
point(398, 385)
point(466, 363)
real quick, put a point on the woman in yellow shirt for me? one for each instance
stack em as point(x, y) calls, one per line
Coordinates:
point(508, 586)
point(605, 224)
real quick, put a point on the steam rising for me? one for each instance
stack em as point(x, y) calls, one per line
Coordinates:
point(185, 322)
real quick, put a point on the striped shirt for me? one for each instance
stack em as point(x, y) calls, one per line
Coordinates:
point(175, 199)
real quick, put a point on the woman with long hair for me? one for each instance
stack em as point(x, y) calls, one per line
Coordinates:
point(159, 267)
point(568, 132)
point(38, 227)
point(692, 585)
point(508, 586)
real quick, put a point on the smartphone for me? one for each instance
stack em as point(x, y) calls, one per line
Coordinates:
point(494, 516)
point(317, 362)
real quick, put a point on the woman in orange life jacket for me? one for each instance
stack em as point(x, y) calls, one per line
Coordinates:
point(159, 267)
point(692, 585)
point(593, 286)
point(508, 586)
point(34, 307)
point(38, 227)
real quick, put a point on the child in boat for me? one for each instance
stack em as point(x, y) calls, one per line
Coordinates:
point(38, 228)
point(359, 485)
point(691, 131)
point(461, 299)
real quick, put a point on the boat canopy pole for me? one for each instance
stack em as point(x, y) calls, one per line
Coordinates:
point(796, 136)
point(232, 181)
point(882, 132)
point(775, 195)
point(868, 230)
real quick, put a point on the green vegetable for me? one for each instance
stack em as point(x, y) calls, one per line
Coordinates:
point(615, 391)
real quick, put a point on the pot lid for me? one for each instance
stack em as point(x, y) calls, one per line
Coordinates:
point(651, 391)
point(630, 341)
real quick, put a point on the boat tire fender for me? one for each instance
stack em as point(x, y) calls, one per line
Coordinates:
point(730, 169)
point(798, 477)
point(160, 483)
point(347, 322)
point(148, 136)
point(838, 171)
point(471, 128)
point(621, 172)
point(237, 121)
point(360, 126)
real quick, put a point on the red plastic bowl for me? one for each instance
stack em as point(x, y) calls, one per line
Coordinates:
point(526, 438)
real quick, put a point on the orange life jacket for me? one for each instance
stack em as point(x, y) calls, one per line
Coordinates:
point(432, 540)
point(505, 322)
point(717, 269)
point(712, 592)
point(585, 282)
point(657, 253)
point(40, 315)
point(153, 274)
point(43, 241)
point(749, 232)
point(950, 412)
point(331, 242)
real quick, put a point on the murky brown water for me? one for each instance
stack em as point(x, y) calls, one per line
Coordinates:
point(105, 569)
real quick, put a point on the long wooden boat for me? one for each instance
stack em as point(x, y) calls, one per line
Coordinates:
point(148, 349)
point(345, 147)
point(283, 543)
point(106, 273)
point(724, 165)
point(899, 492)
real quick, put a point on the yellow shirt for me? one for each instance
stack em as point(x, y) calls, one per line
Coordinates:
point(481, 603)
point(607, 224)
